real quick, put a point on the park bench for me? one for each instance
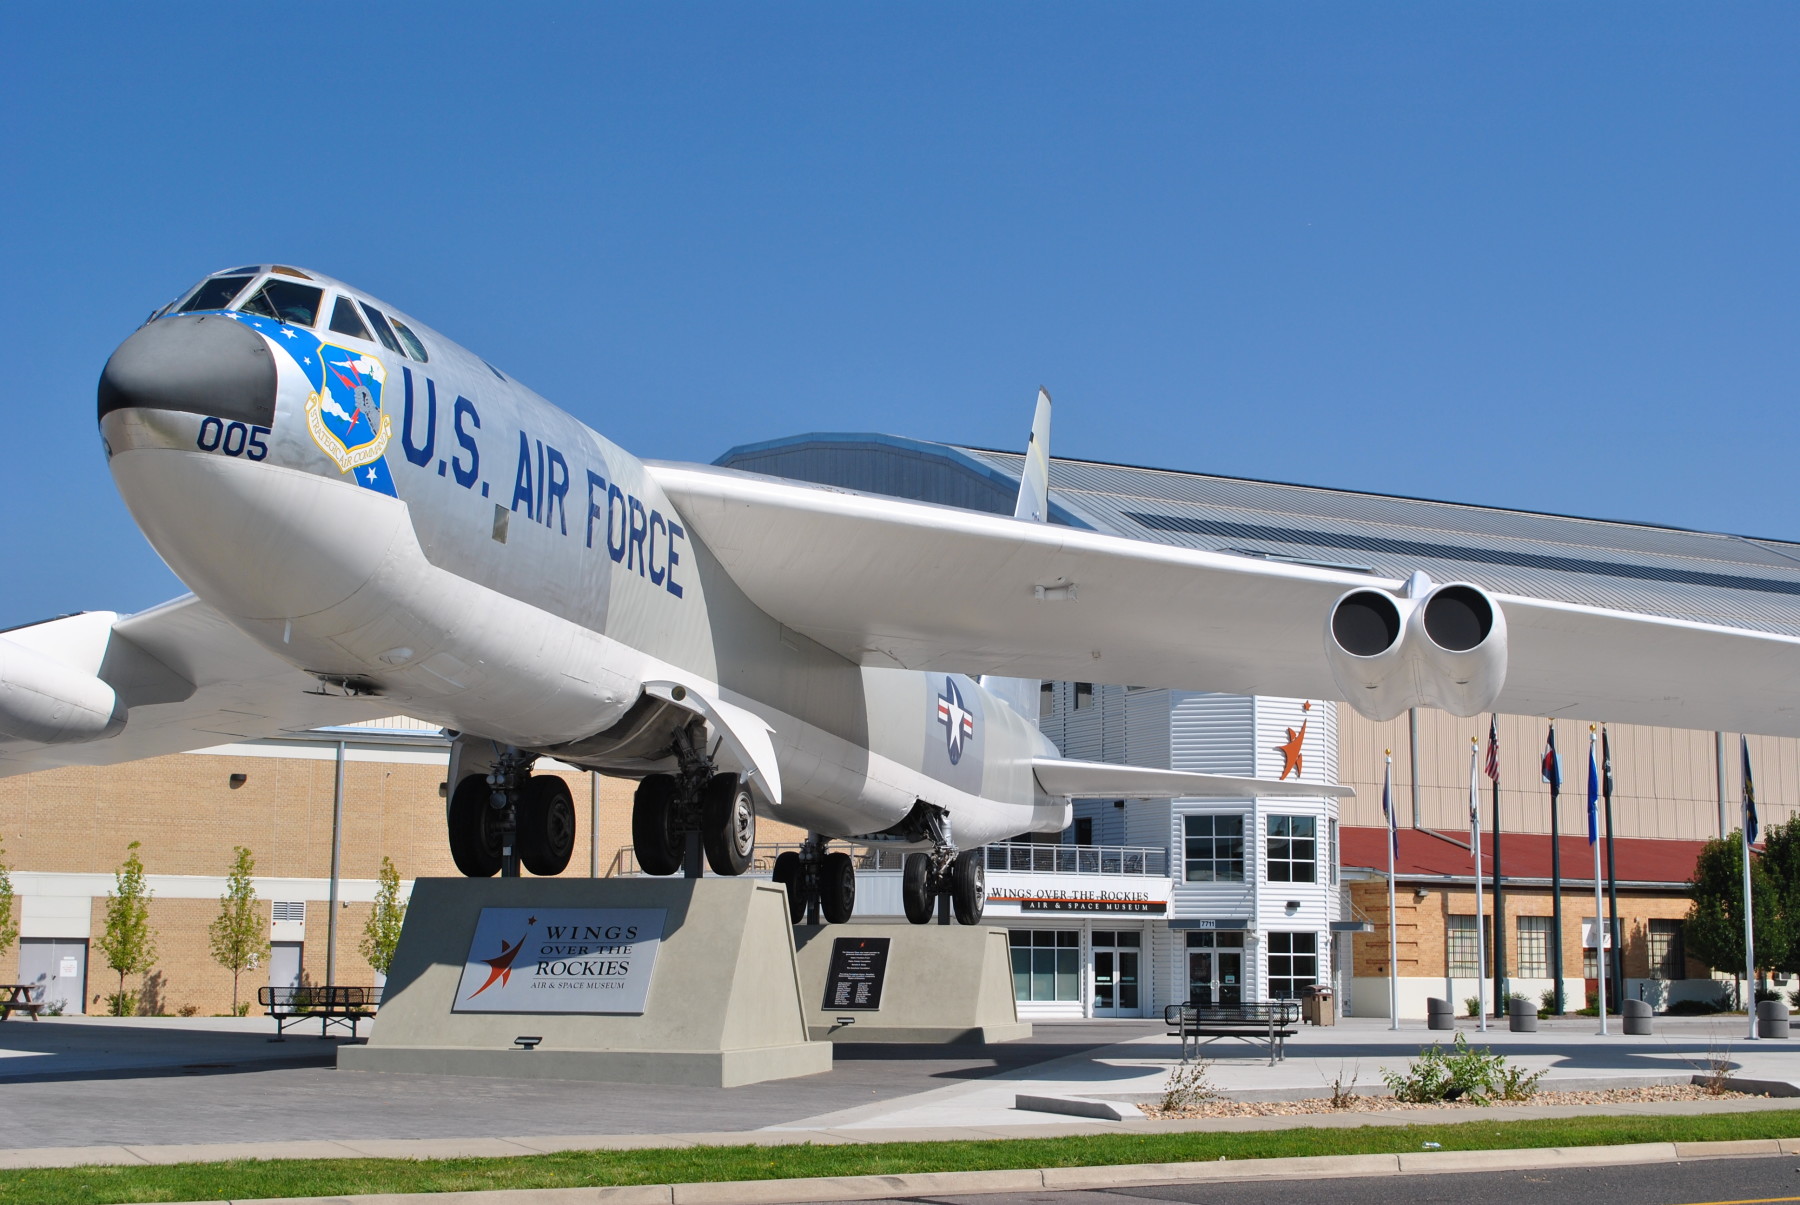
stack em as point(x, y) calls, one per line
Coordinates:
point(1271, 1022)
point(329, 1005)
point(21, 998)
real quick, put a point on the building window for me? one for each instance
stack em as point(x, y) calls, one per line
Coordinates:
point(1046, 698)
point(1460, 945)
point(1215, 848)
point(1293, 849)
point(1668, 952)
point(1046, 964)
point(1331, 850)
point(1293, 964)
point(1534, 947)
point(1084, 830)
point(1084, 695)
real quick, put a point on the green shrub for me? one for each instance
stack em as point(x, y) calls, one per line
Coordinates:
point(1692, 1008)
point(1463, 1072)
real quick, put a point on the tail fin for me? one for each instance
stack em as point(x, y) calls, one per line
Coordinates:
point(1034, 479)
point(1022, 694)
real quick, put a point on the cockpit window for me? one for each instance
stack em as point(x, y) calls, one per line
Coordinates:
point(287, 271)
point(286, 301)
point(378, 320)
point(215, 293)
point(414, 348)
point(346, 321)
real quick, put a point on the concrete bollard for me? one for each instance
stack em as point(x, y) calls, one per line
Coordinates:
point(1521, 1015)
point(1438, 1014)
point(1771, 1019)
point(1636, 1015)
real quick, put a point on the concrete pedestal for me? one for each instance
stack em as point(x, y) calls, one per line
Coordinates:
point(941, 983)
point(723, 1005)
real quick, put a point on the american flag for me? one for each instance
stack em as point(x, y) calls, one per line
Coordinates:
point(1492, 769)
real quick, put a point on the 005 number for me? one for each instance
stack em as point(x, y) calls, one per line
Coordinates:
point(233, 439)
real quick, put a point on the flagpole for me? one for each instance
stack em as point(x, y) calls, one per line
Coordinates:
point(1600, 935)
point(1387, 799)
point(1553, 775)
point(1612, 873)
point(1475, 847)
point(1500, 1001)
point(1749, 818)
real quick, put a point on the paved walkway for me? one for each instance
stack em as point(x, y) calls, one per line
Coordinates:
point(117, 1092)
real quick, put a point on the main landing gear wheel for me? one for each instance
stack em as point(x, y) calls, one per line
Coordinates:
point(475, 828)
point(655, 835)
point(546, 825)
point(837, 888)
point(728, 824)
point(787, 873)
point(915, 888)
point(968, 886)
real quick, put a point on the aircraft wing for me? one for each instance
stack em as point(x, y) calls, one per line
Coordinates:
point(888, 582)
point(183, 678)
point(1100, 780)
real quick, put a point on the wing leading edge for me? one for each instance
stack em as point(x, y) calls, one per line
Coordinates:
point(888, 582)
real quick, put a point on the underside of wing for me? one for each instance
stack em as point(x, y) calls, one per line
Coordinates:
point(1099, 780)
point(98, 689)
point(888, 582)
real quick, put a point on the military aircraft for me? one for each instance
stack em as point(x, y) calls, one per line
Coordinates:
point(373, 520)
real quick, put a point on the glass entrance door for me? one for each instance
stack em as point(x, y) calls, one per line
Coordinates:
point(1116, 956)
point(1215, 969)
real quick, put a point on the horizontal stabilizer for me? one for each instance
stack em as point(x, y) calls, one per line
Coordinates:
point(1100, 780)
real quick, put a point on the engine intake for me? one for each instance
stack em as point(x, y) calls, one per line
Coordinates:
point(1434, 646)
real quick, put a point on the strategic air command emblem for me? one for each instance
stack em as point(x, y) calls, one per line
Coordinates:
point(345, 416)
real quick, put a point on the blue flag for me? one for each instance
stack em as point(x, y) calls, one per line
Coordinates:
point(1552, 768)
point(1593, 796)
point(1751, 828)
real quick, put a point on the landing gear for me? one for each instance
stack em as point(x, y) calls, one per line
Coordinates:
point(788, 874)
point(820, 886)
point(508, 816)
point(837, 888)
point(925, 879)
point(675, 818)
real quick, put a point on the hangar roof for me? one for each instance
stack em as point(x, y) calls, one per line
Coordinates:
point(1711, 577)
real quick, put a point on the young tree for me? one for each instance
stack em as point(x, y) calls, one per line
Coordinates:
point(9, 919)
point(240, 936)
point(382, 932)
point(1715, 922)
point(128, 943)
point(1781, 859)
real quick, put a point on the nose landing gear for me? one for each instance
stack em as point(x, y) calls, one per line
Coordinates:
point(510, 816)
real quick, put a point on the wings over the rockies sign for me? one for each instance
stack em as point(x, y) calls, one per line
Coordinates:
point(561, 960)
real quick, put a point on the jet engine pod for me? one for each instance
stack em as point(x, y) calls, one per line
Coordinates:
point(1365, 643)
point(1459, 633)
point(44, 701)
point(1435, 646)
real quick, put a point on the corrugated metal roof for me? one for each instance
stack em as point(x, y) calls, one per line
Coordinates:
point(1710, 577)
point(1705, 576)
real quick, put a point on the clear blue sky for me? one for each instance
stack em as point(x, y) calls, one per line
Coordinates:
point(1539, 255)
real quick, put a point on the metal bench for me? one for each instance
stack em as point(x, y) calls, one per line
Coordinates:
point(329, 1005)
point(1272, 1021)
point(21, 998)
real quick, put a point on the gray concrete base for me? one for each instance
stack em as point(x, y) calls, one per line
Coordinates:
point(944, 984)
point(723, 1009)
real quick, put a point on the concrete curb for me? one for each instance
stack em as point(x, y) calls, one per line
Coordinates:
point(1140, 1175)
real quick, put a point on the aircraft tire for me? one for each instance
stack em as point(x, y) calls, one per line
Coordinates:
point(915, 888)
point(474, 829)
point(787, 873)
point(653, 837)
point(546, 825)
point(837, 889)
point(728, 824)
point(968, 886)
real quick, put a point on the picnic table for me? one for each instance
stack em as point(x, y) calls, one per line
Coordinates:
point(21, 998)
point(330, 1005)
point(1271, 1021)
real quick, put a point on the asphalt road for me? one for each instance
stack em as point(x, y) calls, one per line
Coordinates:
point(96, 1084)
point(1703, 1182)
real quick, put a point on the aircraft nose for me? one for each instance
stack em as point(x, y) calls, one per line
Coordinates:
point(199, 364)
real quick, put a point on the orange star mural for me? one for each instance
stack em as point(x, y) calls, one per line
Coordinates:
point(1292, 762)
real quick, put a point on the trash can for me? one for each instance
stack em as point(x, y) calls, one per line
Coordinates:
point(1316, 1006)
point(1636, 1014)
point(1521, 1015)
point(1438, 1014)
point(1771, 1019)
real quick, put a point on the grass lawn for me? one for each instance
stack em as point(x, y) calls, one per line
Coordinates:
point(330, 1177)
